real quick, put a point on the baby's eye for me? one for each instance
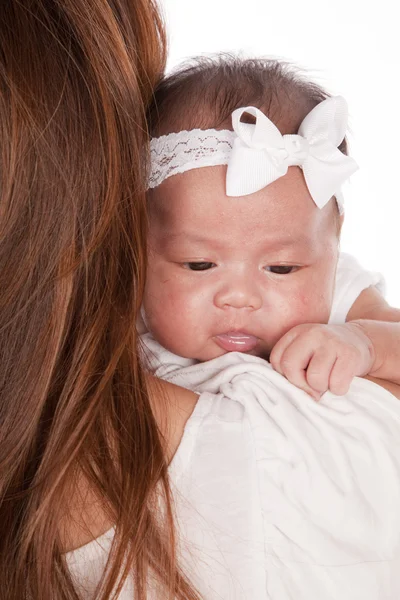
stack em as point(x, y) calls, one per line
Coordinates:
point(199, 266)
point(281, 269)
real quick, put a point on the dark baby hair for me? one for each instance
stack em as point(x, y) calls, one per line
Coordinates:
point(203, 93)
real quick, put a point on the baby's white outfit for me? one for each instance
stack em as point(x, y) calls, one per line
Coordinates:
point(278, 497)
point(351, 280)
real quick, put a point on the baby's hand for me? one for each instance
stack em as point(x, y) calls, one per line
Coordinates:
point(317, 358)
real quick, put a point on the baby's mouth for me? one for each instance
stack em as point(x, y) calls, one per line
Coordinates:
point(236, 341)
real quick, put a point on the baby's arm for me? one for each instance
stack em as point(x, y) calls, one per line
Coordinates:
point(319, 357)
point(381, 324)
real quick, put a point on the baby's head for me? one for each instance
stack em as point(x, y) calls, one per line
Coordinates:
point(235, 273)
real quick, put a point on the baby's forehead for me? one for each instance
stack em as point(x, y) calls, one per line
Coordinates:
point(196, 201)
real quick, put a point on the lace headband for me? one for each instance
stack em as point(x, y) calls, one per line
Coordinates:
point(258, 154)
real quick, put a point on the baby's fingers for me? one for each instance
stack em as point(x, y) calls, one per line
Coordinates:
point(280, 348)
point(342, 375)
point(319, 369)
point(292, 364)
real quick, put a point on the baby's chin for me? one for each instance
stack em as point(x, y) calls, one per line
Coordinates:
point(261, 351)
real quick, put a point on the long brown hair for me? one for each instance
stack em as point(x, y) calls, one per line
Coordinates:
point(75, 80)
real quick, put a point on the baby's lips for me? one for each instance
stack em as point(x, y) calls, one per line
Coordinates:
point(236, 341)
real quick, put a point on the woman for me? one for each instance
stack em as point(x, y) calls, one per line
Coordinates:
point(80, 447)
point(85, 438)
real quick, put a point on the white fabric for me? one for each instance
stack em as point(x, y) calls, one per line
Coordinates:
point(180, 152)
point(261, 154)
point(282, 498)
point(351, 280)
point(258, 154)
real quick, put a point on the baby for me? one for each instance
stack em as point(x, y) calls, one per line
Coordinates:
point(245, 228)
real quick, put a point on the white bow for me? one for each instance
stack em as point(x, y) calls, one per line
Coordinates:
point(261, 154)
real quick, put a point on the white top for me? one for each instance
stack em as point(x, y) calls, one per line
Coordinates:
point(351, 280)
point(279, 497)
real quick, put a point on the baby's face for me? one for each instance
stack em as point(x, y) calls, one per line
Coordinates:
point(235, 274)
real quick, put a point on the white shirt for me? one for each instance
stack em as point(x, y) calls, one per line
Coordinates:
point(351, 280)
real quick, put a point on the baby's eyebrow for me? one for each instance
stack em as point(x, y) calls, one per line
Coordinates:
point(190, 236)
point(291, 240)
point(273, 243)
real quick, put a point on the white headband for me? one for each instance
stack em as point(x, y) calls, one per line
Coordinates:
point(258, 154)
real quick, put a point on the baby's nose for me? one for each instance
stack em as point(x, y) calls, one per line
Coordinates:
point(238, 293)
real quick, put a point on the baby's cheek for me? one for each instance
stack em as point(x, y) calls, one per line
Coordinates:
point(312, 308)
point(302, 306)
point(162, 307)
point(173, 318)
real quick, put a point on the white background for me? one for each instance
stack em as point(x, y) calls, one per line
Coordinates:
point(350, 47)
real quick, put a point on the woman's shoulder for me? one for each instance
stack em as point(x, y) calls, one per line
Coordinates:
point(257, 410)
point(255, 417)
point(85, 518)
point(245, 389)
